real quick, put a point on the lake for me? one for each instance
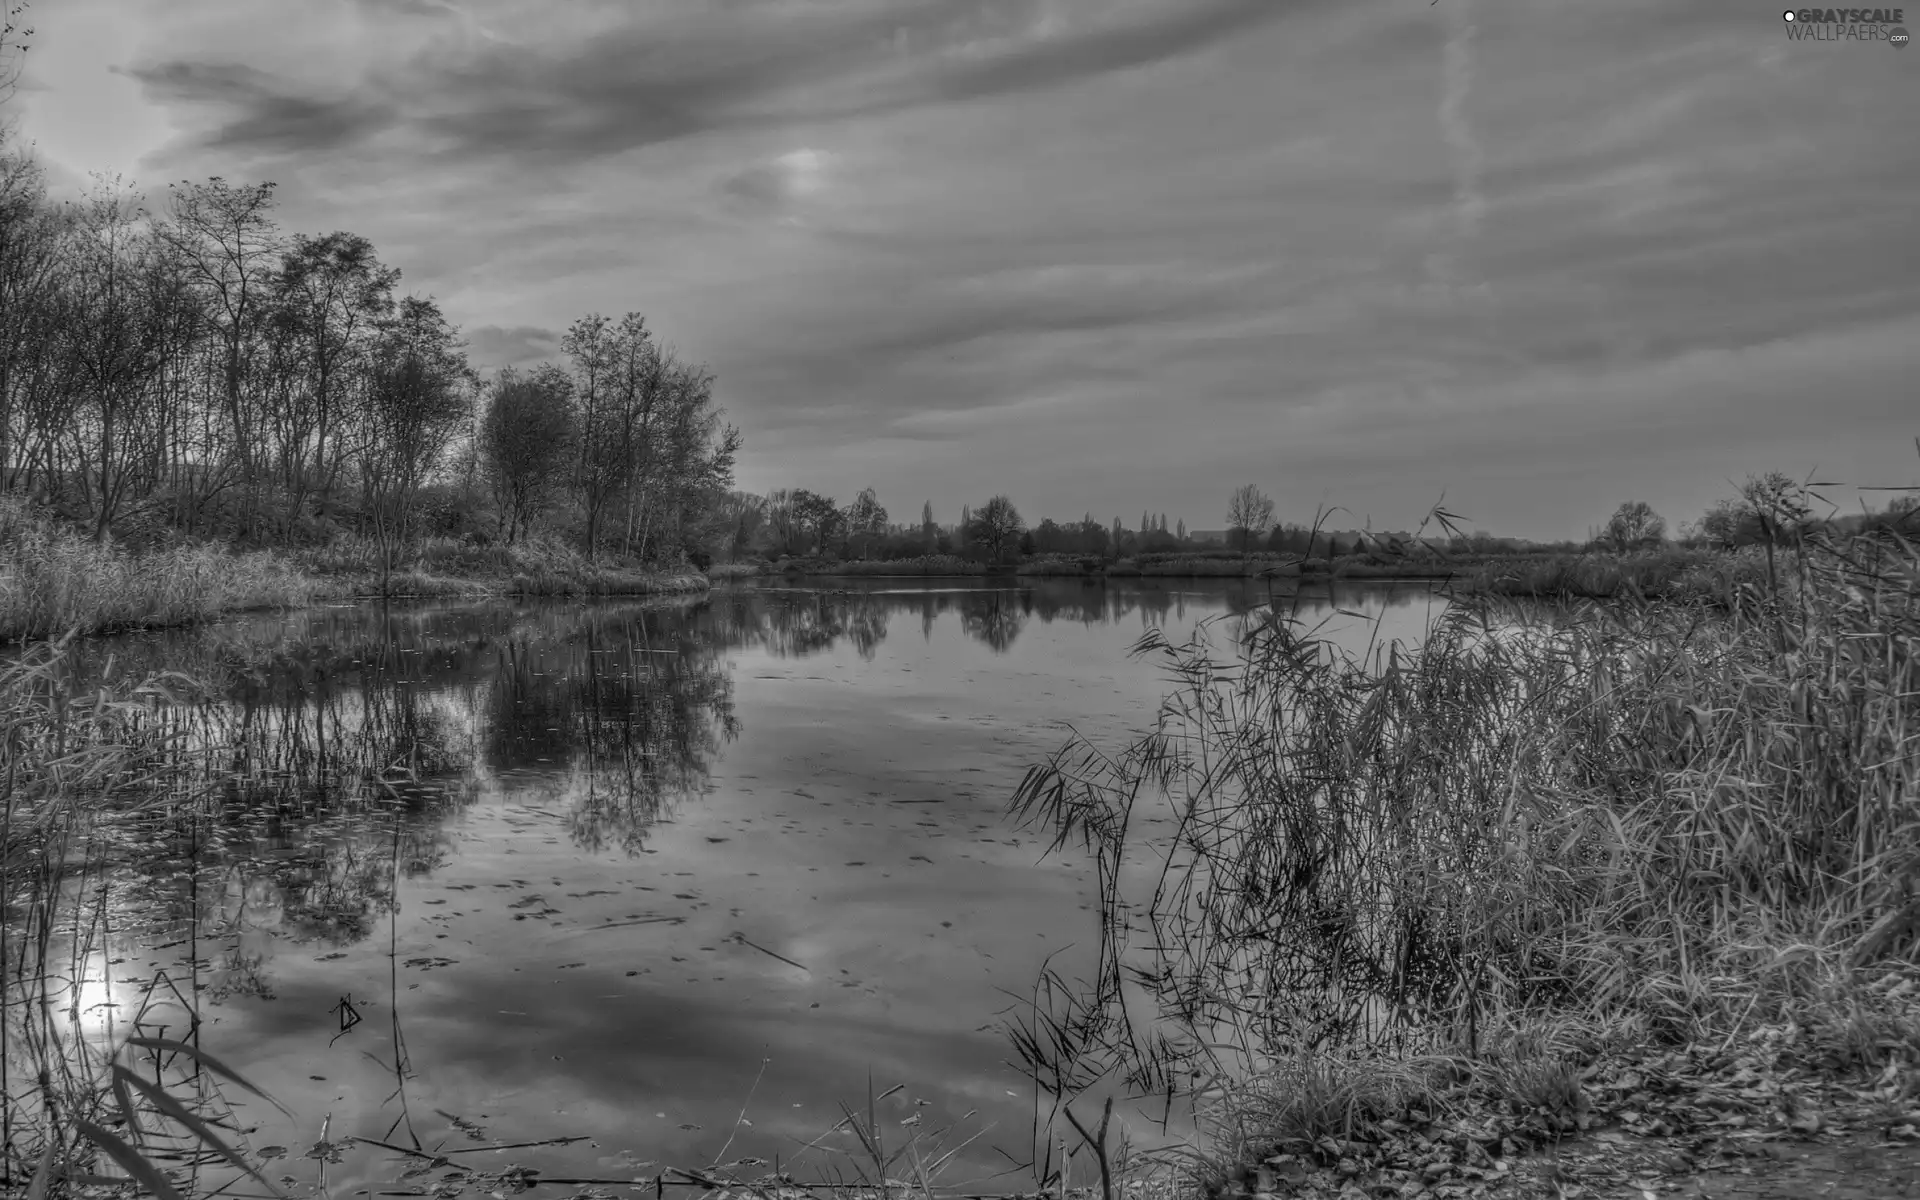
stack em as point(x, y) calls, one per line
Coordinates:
point(624, 871)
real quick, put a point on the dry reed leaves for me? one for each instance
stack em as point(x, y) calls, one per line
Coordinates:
point(1769, 1116)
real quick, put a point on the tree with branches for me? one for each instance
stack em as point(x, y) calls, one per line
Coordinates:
point(1249, 514)
point(1632, 526)
point(526, 442)
point(996, 528)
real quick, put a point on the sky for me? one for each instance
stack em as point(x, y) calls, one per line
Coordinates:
point(1529, 258)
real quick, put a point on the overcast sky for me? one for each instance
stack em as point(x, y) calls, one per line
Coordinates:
point(1541, 256)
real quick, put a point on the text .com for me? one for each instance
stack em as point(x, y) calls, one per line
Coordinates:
point(1847, 25)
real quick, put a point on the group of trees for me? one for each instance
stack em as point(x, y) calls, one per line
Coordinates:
point(195, 366)
point(624, 429)
point(198, 360)
point(1770, 507)
point(797, 522)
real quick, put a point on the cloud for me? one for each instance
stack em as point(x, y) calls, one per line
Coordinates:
point(1469, 204)
point(781, 183)
point(591, 86)
point(1076, 249)
point(491, 346)
point(263, 114)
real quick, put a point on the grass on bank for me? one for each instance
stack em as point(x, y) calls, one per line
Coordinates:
point(53, 580)
point(438, 566)
point(1675, 573)
point(927, 564)
point(1642, 822)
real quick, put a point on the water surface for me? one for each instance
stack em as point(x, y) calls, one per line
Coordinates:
point(625, 870)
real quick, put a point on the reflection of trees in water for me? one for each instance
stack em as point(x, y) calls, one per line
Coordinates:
point(795, 624)
point(332, 732)
point(329, 747)
point(633, 705)
point(994, 618)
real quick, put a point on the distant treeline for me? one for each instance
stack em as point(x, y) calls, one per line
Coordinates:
point(811, 530)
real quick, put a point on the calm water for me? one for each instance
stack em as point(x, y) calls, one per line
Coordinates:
point(596, 869)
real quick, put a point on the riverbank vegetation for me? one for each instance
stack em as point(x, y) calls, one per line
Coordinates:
point(1399, 917)
point(801, 532)
point(197, 406)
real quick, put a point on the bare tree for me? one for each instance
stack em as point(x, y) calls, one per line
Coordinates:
point(783, 523)
point(742, 516)
point(111, 339)
point(817, 515)
point(14, 43)
point(864, 521)
point(1249, 513)
point(604, 466)
point(330, 295)
point(418, 399)
point(526, 441)
point(996, 528)
point(225, 238)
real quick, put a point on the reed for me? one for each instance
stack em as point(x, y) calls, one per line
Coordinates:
point(1676, 573)
point(1063, 564)
point(928, 564)
point(53, 581)
point(1679, 820)
point(78, 775)
point(540, 566)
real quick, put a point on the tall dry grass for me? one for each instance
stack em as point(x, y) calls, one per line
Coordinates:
point(438, 566)
point(53, 581)
point(1683, 820)
point(1674, 573)
point(928, 564)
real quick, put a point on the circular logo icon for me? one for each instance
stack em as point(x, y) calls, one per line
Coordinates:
point(1789, 14)
point(1898, 36)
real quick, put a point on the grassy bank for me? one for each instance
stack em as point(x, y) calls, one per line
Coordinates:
point(54, 580)
point(1468, 881)
point(1676, 574)
point(930, 564)
point(445, 567)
